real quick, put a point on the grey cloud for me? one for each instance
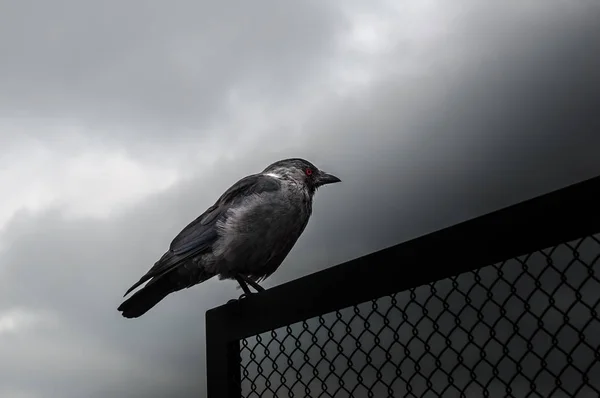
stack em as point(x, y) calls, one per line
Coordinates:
point(153, 65)
point(86, 266)
point(515, 130)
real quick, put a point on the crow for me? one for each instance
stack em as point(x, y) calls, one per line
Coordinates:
point(244, 236)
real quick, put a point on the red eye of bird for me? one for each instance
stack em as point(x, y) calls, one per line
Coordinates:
point(309, 171)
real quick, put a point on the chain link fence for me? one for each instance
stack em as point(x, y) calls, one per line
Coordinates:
point(525, 327)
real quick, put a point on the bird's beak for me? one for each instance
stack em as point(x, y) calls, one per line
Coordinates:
point(326, 178)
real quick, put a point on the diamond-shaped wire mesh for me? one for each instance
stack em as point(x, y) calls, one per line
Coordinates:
point(526, 327)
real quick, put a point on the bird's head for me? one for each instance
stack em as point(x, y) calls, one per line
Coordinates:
point(301, 171)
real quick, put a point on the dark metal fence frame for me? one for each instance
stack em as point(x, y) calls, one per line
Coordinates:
point(535, 224)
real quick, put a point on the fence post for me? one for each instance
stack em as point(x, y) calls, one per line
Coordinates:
point(222, 360)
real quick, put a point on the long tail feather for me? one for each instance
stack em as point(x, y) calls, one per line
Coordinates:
point(146, 298)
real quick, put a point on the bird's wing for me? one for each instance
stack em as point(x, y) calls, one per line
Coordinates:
point(193, 235)
point(200, 234)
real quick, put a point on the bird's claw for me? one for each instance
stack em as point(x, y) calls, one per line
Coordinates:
point(243, 296)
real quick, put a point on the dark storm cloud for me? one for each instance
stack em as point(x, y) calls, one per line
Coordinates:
point(87, 258)
point(414, 155)
point(146, 66)
point(521, 124)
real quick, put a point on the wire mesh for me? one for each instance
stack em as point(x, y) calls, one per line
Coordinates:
point(525, 327)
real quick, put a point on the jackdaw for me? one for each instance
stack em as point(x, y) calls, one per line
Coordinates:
point(244, 236)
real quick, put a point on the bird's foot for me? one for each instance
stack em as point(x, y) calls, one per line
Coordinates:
point(243, 296)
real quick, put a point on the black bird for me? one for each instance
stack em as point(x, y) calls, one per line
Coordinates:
point(244, 236)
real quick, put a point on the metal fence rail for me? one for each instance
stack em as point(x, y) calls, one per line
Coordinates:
point(502, 305)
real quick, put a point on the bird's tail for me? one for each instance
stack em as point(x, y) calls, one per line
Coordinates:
point(146, 298)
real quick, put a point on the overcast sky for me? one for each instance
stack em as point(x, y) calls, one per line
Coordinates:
point(121, 121)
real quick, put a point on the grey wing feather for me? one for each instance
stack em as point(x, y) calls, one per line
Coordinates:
point(200, 234)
